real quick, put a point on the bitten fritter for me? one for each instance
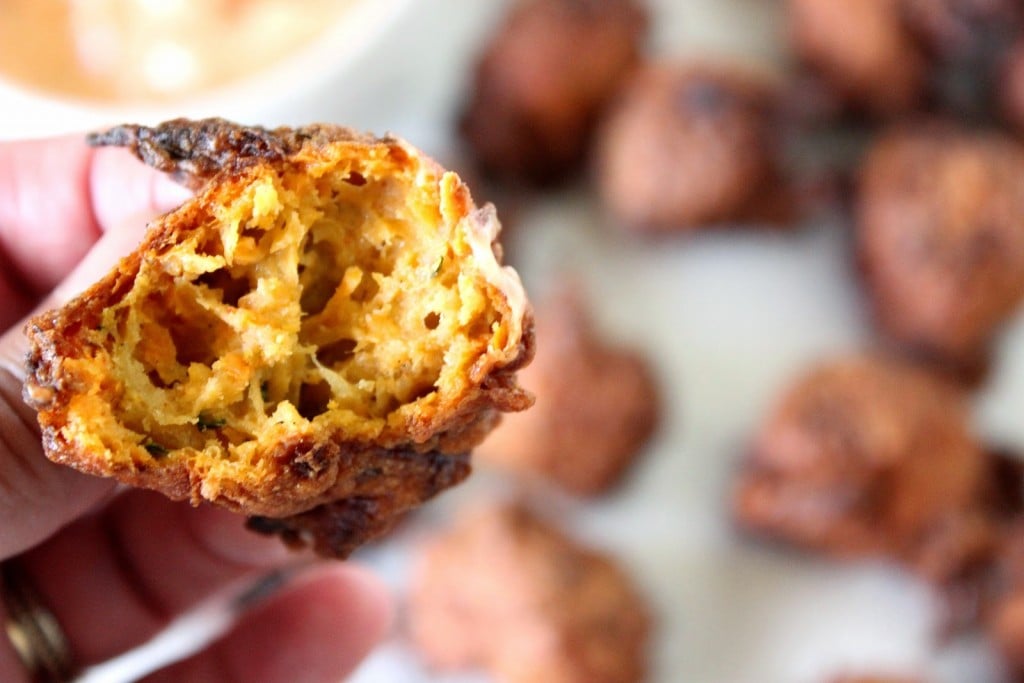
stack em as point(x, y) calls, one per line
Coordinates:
point(597, 406)
point(507, 592)
point(542, 80)
point(316, 339)
point(865, 456)
point(941, 239)
point(691, 145)
point(862, 51)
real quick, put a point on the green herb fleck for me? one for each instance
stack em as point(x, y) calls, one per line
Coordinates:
point(438, 264)
point(204, 422)
point(155, 449)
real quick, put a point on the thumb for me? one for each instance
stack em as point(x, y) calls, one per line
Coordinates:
point(38, 497)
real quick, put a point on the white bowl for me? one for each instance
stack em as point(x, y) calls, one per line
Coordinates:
point(300, 87)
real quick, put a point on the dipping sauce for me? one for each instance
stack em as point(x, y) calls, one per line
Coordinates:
point(151, 50)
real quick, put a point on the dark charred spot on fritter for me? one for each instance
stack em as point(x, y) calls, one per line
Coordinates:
point(313, 462)
point(387, 485)
point(194, 151)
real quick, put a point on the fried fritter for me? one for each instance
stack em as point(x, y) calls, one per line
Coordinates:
point(508, 592)
point(542, 80)
point(317, 339)
point(941, 239)
point(687, 146)
point(865, 456)
point(888, 58)
point(597, 405)
point(862, 50)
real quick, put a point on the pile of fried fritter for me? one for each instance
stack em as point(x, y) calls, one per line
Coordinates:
point(871, 454)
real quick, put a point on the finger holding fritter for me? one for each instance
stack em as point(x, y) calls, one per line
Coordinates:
point(57, 198)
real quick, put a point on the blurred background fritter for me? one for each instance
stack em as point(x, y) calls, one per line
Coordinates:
point(597, 404)
point(663, 117)
point(941, 238)
point(542, 80)
point(861, 51)
point(887, 58)
point(865, 456)
point(962, 27)
point(687, 145)
point(508, 592)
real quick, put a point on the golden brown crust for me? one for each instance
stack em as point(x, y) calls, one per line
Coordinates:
point(294, 458)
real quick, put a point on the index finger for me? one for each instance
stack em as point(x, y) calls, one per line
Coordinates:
point(57, 196)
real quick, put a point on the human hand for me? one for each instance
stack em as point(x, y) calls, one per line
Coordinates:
point(116, 567)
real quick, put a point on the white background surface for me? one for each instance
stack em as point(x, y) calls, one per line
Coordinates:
point(727, 319)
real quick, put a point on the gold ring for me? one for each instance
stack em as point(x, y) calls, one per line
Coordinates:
point(34, 632)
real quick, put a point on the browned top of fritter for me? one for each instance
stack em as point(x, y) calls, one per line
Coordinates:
point(888, 58)
point(862, 49)
point(325, 329)
point(941, 236)
point(507, 591)
point(687, 145)
point(541, 81)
